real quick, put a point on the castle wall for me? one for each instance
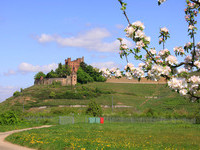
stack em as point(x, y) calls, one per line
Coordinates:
point(64, 81)
point(142, 81)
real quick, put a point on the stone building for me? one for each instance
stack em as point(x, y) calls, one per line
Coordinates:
point(74, 65)
point(69, 80)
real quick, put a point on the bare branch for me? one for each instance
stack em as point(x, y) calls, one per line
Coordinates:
point(124, 12)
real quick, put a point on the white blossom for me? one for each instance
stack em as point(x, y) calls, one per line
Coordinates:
point(183, 92)
point(161, 1)
point(128, 75)
point(138, 73)
point(163, 52)
point(191, 27)
point(138, 24)
point(140, 44)
point(124, 46)
point(141, 65)
point(147, 38)
point(106, 72)
point(197, 63)
point(129, 31)
point(113, 69)
point(198, 45)
point(177, 83)
point(194, 79)
point(158, 70)
point(188, 59)
point(118, 73)
point(179, 50)
point(188, 44)
point(153, 51)
point(139, 34)
point(164, 29)
point(129, 65)
point(172, 60)
point(182, 70)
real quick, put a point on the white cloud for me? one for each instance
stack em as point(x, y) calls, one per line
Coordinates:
point(26, 67)
point(7, 91)
point(109, 65)
point(10, 72)
point(91, 40)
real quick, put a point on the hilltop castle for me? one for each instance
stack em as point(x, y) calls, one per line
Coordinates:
point(69, 80)
point(74, 65)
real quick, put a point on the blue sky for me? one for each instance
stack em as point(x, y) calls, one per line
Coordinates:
point(36, 35)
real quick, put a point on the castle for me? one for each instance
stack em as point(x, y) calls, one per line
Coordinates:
point(69, 80)
point(74, 65)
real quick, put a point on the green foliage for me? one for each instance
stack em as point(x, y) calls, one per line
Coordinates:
point(52, 74)
point(83, 77)
point(39, 75)
point(16, 93)
point(63, 71)
point(94, 109)
point(94, 73)
point(9, 118)
point(197, 119)
point(52, 94)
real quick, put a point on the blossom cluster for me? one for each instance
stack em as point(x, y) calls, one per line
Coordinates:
point(135, 31)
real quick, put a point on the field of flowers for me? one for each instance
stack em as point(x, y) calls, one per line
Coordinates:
point(112, 136)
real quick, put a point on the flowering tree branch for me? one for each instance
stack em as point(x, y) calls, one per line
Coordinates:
point(163, 63)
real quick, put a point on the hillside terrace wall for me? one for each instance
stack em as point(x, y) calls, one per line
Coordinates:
point(142, 81)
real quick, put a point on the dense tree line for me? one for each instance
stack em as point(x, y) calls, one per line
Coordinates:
point(86, 73)
point(61, 72)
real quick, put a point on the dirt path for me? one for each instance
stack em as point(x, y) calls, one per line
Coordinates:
point(4, 145)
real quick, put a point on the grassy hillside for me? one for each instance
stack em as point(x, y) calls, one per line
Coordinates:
point(141, 99)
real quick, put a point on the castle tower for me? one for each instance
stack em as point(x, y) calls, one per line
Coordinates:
point(74, 65)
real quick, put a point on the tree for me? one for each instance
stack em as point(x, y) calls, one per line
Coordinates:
point(62, 71)
point(163, 64)
point(94, 109)
point(39, 75)
point(83, 77)
point(52, 74)
point(95, 74)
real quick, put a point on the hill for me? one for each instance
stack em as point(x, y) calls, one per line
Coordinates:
point(128, 99)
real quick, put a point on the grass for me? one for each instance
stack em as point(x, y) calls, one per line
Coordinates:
point(4, 128)
point(30, 122)
point(114, 136)
point(140, 96)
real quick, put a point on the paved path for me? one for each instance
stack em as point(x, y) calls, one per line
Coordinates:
point(4, 145)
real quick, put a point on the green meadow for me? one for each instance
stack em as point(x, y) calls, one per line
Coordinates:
point(112, 136)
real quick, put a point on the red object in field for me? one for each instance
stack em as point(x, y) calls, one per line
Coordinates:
point(101, 120)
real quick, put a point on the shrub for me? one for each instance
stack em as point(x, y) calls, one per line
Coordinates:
point(51, 74)
point(16, 93)
point(94, 109)
point(39, 75)
point(197, 119)
point(52, 95)
point(9, 118)
point(83, 77)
